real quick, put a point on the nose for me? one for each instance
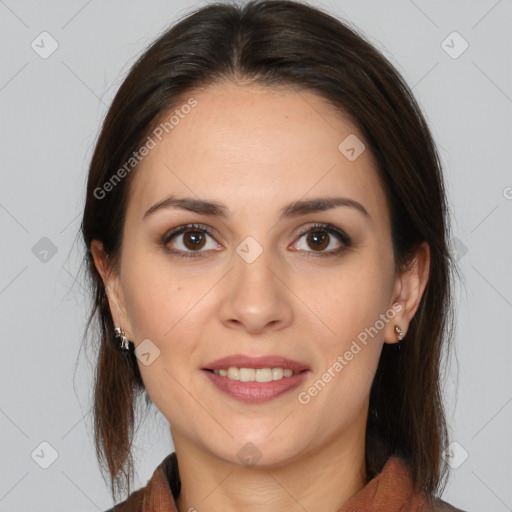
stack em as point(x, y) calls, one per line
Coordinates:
point(255, 296)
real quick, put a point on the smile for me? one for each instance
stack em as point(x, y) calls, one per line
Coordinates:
point(254, 374)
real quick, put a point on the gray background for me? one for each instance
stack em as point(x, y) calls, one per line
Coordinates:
point(51, 110)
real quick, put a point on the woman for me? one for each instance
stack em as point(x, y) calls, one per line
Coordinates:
point(267, 238)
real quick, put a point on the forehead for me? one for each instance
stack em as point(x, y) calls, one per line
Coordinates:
point(255, 147)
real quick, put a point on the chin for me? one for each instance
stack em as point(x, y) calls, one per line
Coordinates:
point(258, 452)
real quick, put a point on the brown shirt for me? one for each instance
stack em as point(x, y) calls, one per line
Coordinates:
point(390, 491)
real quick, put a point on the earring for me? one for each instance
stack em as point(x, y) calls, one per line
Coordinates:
point(399, 332)
point(125, 345)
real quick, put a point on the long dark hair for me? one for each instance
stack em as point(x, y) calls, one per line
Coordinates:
point(287, 43)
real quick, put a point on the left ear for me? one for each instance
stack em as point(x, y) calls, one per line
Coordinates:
point(408, 290)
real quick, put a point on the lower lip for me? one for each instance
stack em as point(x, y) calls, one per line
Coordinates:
point(256, 392)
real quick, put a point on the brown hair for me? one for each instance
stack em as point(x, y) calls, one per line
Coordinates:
point(287, 43)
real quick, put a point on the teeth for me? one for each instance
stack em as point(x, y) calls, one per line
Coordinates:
point(254, 375)
point(277, 373)
point(233, 373)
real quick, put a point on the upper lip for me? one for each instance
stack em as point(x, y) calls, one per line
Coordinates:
point(246, 361)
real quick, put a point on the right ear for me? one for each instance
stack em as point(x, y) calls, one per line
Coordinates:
point(113, 287)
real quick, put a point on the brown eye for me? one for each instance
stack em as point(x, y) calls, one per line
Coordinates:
point(318, 240)
point(193, 239)
point(190, 240)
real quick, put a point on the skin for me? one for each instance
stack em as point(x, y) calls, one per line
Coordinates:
point(255, 150)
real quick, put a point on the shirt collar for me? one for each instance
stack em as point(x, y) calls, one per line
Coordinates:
point(391, 489)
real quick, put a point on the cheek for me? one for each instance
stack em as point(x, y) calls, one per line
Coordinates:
point(161, 309)
point(158, 301)
point(349, 355)
point(350, 350)
point(351, 301)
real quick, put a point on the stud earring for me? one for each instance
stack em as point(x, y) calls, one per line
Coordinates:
point(399, 332)
point(122, 341)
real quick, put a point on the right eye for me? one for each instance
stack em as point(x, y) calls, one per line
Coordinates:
point(193, 239)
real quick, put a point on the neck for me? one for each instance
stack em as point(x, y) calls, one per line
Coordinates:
point(319, 481)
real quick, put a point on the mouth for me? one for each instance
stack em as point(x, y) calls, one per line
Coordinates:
point(255, 379)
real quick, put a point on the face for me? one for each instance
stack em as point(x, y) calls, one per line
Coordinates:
point(272, 287)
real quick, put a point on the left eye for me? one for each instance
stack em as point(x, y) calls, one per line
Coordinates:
point(318, 237)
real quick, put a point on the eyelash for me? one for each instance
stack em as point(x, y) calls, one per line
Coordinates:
point(328, 228)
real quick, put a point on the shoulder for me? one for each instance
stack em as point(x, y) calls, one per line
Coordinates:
point(397, 472)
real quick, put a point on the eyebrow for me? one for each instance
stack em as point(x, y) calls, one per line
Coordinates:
point(293, 209)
